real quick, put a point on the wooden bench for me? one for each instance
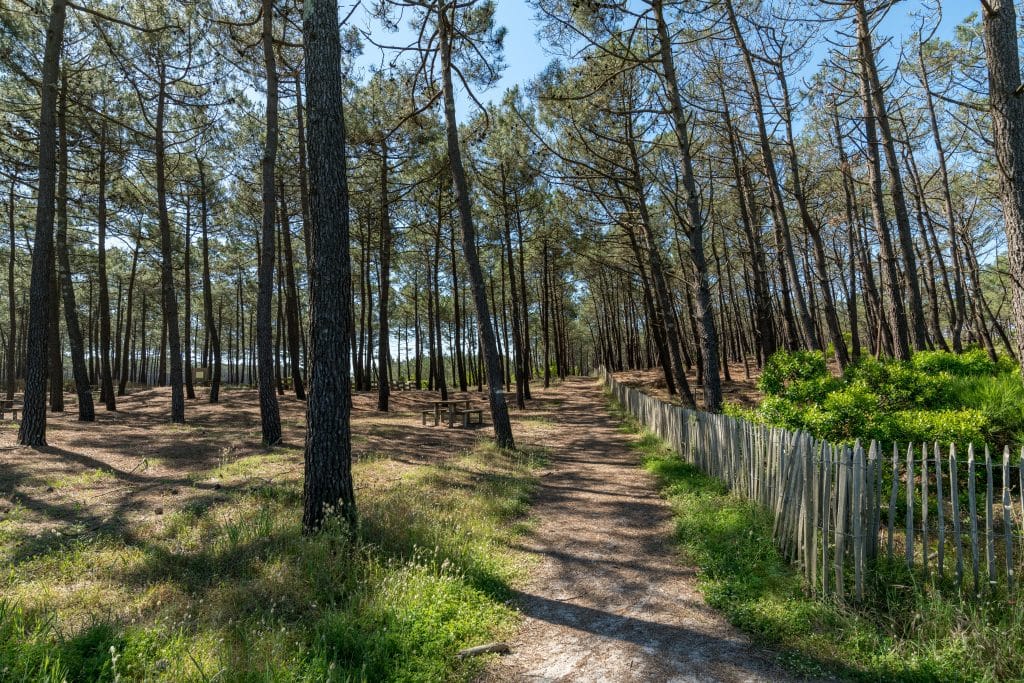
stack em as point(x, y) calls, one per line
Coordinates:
point(431, 412)
point(8, 405)
point(466, 413)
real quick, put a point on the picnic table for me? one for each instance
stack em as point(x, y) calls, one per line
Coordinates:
point(453, 407)
point(7, 406)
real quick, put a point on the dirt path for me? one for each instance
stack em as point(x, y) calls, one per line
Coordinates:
point(610, 599)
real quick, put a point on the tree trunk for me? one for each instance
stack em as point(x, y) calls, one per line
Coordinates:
point(383, 330)
point(328, 485)
point(106, 374)
point(789, 275)
point(126, 353)
point(169, 299)
point(1007, 108)
point(899, 201)
point(32, 431)
point(707, 332)
point(86, 412)
point(270, 416)
point(11, 367)
point(896, 313)
point(499, 409)
point(210, 323)
point(190, 390)
point(291, 302)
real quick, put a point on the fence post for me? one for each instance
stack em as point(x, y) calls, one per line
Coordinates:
point(924, 509)
point(1007, 519)
point(857, 510)
point(826, 514)
point(990, 541)
point(941, 520)
point(972, 511)
point(954, 500)
point(909, 540)
point(892, 496)
point(841, 517)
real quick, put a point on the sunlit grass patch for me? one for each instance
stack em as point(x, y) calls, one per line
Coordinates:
point(250, 465)
point(82, 479)
point(229, 588)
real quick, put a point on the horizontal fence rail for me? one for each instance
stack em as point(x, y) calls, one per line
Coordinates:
point(840, 510)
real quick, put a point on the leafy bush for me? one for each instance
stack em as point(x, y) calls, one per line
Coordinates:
point(786, 368)
point(900, 385)
point(999, 398)
point(781, 412)
point(936, 396)
point(813, 390)
point(967, 364)
point(854, 412)
point(961, 427)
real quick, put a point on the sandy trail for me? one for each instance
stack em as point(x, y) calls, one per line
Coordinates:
point(610, 598)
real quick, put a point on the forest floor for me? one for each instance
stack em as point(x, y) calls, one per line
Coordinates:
point(740, 388)
point(132, 465)
point(165, 544)
point(610, 598)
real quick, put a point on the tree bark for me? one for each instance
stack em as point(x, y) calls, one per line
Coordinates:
point(211, 324)
point(32, 431)
point(270, 415)
point(168, 297)
point(328, 485)
point(86, 412)
point(1007, 108)
point(11, 367)
point(383, 329)
point(106, 374)
point(291, 303)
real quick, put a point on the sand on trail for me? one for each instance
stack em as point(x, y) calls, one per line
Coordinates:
point(610, 598)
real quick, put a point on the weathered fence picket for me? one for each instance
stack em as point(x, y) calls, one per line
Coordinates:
point(826, 499)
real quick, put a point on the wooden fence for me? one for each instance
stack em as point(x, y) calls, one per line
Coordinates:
point(839, 510)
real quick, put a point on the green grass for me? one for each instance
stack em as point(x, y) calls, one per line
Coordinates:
point(86, 478)
point(234, 591)
point(905, 632)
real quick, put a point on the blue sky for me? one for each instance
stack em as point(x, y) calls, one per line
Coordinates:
point(526, 56)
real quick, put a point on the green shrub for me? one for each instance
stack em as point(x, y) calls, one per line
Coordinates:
point(1000, 399)
point(854, 412)
point(780, 412)
point(813, 390)
point(900, 385)
point(738, 410)
point(961, 427)
point(786, 368)
point(969, 363)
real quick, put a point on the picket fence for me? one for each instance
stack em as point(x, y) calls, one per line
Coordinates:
point(840, 509)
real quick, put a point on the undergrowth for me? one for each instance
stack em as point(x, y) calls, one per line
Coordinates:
point(903, 632)
point(234, 591)
point(935, 396)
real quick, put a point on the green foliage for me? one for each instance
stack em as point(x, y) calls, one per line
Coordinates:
point(850, 413)
point(937, 396)
point(1000, 399)
point(900, 633)
point(963, 426)
point(786, 368)
point(235, 591)
point(899, 385)
point(967, 364)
